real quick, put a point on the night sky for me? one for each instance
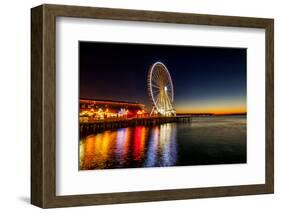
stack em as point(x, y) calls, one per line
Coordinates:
point(205, 79)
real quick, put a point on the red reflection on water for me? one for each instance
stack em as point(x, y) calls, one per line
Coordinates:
point(139, 142)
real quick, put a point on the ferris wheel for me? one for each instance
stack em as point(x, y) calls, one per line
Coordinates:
point(160, 90)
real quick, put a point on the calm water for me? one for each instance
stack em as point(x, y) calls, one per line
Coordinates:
point(206, 140)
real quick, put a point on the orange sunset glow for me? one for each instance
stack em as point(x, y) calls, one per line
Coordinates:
point(214, 110)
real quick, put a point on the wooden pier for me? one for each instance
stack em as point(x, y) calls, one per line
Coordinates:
point(101, 125)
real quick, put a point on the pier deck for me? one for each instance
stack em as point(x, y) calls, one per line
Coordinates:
point(101, 125)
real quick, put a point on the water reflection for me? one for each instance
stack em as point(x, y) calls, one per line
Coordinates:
point(162, 149)
point(211, 140)
point(130, 148)
point(122, 144)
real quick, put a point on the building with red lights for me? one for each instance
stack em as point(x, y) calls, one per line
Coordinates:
point(91, 110)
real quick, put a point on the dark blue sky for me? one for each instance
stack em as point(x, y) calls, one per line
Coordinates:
point(205, 79)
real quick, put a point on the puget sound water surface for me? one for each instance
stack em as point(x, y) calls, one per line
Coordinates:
point(204, 141)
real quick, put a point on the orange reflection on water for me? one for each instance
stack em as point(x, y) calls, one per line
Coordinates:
point(97, 149)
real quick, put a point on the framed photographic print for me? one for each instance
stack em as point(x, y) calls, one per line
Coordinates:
point(137, 106)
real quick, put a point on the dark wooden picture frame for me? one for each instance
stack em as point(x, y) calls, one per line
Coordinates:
point(43, 105)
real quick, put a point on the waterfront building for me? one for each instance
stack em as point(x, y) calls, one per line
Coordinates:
point(93, 109)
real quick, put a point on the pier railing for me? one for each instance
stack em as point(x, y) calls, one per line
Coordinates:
point(107, 124)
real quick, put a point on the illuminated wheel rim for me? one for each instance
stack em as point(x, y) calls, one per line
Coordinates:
point(160, 89)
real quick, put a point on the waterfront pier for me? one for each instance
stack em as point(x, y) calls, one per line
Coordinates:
point(108, 124)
